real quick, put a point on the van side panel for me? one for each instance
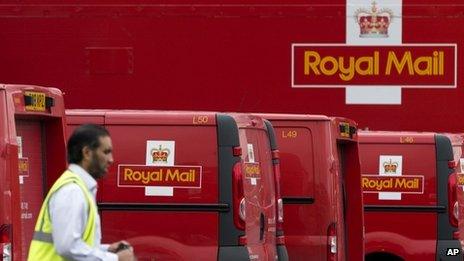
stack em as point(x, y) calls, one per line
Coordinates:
point(194, 146)
point(353, 204)
point(158, 225)
point(406, 226)
point(307, 201)
point(445, 230)
point(161, 234)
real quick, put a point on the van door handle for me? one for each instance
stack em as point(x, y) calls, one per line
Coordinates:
point(261, 227)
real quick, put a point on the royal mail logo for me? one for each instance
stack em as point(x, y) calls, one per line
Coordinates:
point(161, 176)
point(23, 166)
point(160, 154)
point(460, 179)
point(252, 170)
point(408, 184)
point(408, 65)
point(373, 23)
point(390, 167)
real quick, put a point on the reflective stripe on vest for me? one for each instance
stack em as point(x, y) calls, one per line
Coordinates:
point(42, 242)
point(42, 236)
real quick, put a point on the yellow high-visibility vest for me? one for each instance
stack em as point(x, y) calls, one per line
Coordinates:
point(42, 247)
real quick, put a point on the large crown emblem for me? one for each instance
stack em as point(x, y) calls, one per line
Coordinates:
point(374, 23)
point(160, 155)
point(390, 167)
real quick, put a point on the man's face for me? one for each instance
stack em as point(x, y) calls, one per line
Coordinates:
point(101, 158)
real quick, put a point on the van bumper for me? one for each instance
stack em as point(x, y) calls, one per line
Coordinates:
point(282, 253)
point(449, 250)
point(233, 253)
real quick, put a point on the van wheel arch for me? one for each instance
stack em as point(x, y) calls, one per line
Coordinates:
point(382, 256)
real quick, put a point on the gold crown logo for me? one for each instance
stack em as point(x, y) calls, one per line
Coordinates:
point(390, 167)
point(374, 23)
point(160, 155)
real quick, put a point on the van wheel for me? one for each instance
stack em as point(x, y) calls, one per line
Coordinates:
point(383, 257)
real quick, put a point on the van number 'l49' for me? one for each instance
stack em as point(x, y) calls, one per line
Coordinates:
point(289, 134)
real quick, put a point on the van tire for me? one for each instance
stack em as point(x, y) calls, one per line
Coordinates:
point(383, 257)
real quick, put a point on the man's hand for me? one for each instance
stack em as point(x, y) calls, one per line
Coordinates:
point(114, 247)
point(126, 254)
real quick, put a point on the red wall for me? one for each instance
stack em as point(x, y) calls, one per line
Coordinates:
point(215, 55)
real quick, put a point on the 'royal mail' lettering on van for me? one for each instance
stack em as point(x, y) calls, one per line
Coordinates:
point(404, 184)
point(167, 176)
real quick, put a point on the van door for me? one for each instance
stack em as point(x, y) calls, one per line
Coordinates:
point(405, 206)
point(31, 169)
point(32, 123)
point(304, 230)
point(259, 194)
point(342, 199)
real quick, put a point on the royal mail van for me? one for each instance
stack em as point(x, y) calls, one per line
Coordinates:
point(320, 186)
point(457, 141)
point(189, 185)
point(409, 182)
point(32, 154)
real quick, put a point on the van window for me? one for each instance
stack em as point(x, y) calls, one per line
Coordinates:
point(257, 152)
point(457, 153)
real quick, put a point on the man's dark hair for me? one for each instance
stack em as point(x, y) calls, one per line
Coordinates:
point(84, 135)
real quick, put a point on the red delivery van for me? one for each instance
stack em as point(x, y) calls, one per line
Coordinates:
point(320, 186)
point(457, 141)
point(32, 156)
point(409, 182)
point(189, 185)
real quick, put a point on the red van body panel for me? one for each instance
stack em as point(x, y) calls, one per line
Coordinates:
point(457, 212)
point(259, 190)
point(344, 132)
point(32, 145)
point(191, 223)
point(406, 178)
point(314, 170)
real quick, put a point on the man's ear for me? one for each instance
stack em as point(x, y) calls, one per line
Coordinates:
point(86, 153)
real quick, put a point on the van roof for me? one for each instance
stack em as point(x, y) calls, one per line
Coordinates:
point(24, 87)
point(140, 117)
point(296, 117)
point(396, 137)
point(457, 139)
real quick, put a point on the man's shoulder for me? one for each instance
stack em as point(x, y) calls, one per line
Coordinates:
point(68, 191)
point(71, 186)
